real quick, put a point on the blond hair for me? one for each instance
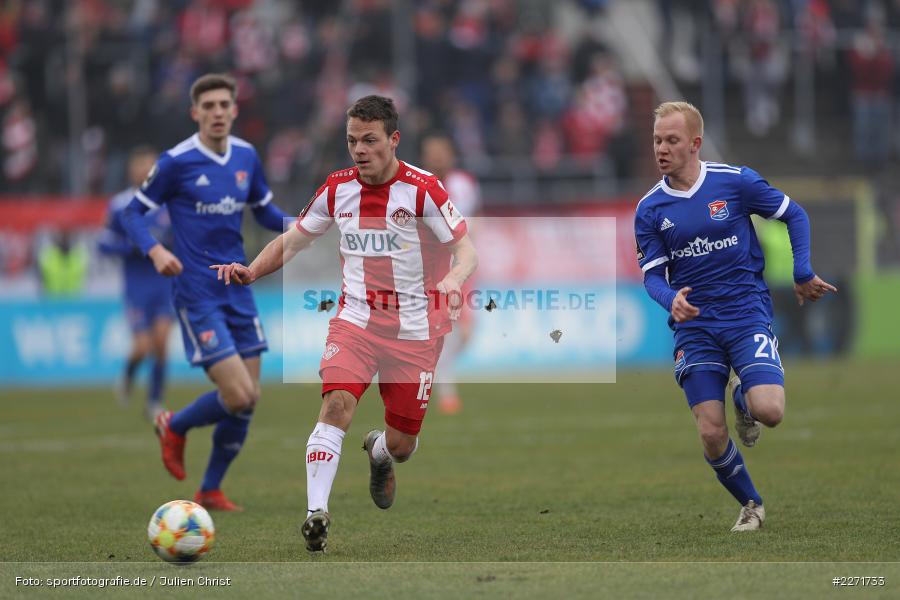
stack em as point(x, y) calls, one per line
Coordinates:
point(692, 116)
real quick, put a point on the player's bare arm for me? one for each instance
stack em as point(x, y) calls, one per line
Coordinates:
point(465, 261)
point(165, 262)
point(276, 253)
point(682, 310)
point(812, 290)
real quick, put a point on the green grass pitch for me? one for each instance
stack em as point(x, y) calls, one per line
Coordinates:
point(536, 490)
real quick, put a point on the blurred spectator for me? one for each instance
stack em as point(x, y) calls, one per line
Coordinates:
point(872, 69)
point(680, 22)
point(432, 56)
point(203, 30)
point(468, 134)
point(63, 266)
point(20, 147)
point(511, 137)
point(119, 108)
point(598, 112)
point(547, 150)
point(761, 81)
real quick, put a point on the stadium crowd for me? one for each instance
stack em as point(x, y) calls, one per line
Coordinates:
point(502, 75)
point(495, 73)
point(523, 88)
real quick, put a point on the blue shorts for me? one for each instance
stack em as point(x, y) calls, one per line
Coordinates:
point(144, 311)
point(750, 349)
point(213, 333)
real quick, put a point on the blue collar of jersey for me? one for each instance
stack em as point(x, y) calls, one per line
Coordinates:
point(222, 159)
point(694, 188)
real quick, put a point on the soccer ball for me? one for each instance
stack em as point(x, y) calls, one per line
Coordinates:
point(181, 531)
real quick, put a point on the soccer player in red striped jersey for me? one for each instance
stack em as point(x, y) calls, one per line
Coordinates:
point(399, 231)
point(439, 157)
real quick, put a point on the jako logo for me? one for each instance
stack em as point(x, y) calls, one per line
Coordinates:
point(372, 242)
point(345, 215)
point(226, 206)
point(702, 247)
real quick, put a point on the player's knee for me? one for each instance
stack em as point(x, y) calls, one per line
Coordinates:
point(253, 397)
point(242, 399)
point(768, 408)
point(141, 347)
point(401, 448)
point(770, 414)
point(713, 435)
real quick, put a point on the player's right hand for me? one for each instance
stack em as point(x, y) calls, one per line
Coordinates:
point(165, 262)
point(812, 290)
point(235, 272)
point(682, 310)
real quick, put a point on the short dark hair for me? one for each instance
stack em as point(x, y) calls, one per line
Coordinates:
point(213, 81)
point(375, 108)
point(143, 150)
point(437, 134)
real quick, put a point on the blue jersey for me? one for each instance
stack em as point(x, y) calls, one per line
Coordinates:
point(206, 194)
point(140, 277)
point(706, 241)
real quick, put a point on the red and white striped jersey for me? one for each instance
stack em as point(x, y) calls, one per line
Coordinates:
point(394, 239)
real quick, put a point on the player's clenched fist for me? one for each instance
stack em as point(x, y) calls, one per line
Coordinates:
point(812, 290)
point(235, 272)
point(164, 261)
point(682, 310)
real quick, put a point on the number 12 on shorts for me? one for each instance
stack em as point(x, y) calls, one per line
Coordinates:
point(425, 380)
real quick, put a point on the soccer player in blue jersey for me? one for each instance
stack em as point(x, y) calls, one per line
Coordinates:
point(694, 237)
point(206, 181)
point(148, 295)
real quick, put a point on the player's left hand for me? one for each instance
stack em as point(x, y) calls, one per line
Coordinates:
point(235, 272)
point(450, 288)
point(812, 290)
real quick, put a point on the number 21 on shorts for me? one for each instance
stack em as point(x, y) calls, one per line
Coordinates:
point(425, 380)
point(768, 347)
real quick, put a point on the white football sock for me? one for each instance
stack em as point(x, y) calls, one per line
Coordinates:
point(323, 453)
point(380, 452)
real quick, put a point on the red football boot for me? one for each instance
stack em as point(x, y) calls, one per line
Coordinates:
point(216, 500)
point(172, 446)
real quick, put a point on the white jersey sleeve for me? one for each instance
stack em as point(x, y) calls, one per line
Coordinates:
point(317, 217)
point(442, 217)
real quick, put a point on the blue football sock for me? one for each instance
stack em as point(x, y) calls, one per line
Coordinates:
point(205, 410)
point(228, 438)
point(157, 381)
point(732, 473)
point(740, 400)
point(131, 368)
